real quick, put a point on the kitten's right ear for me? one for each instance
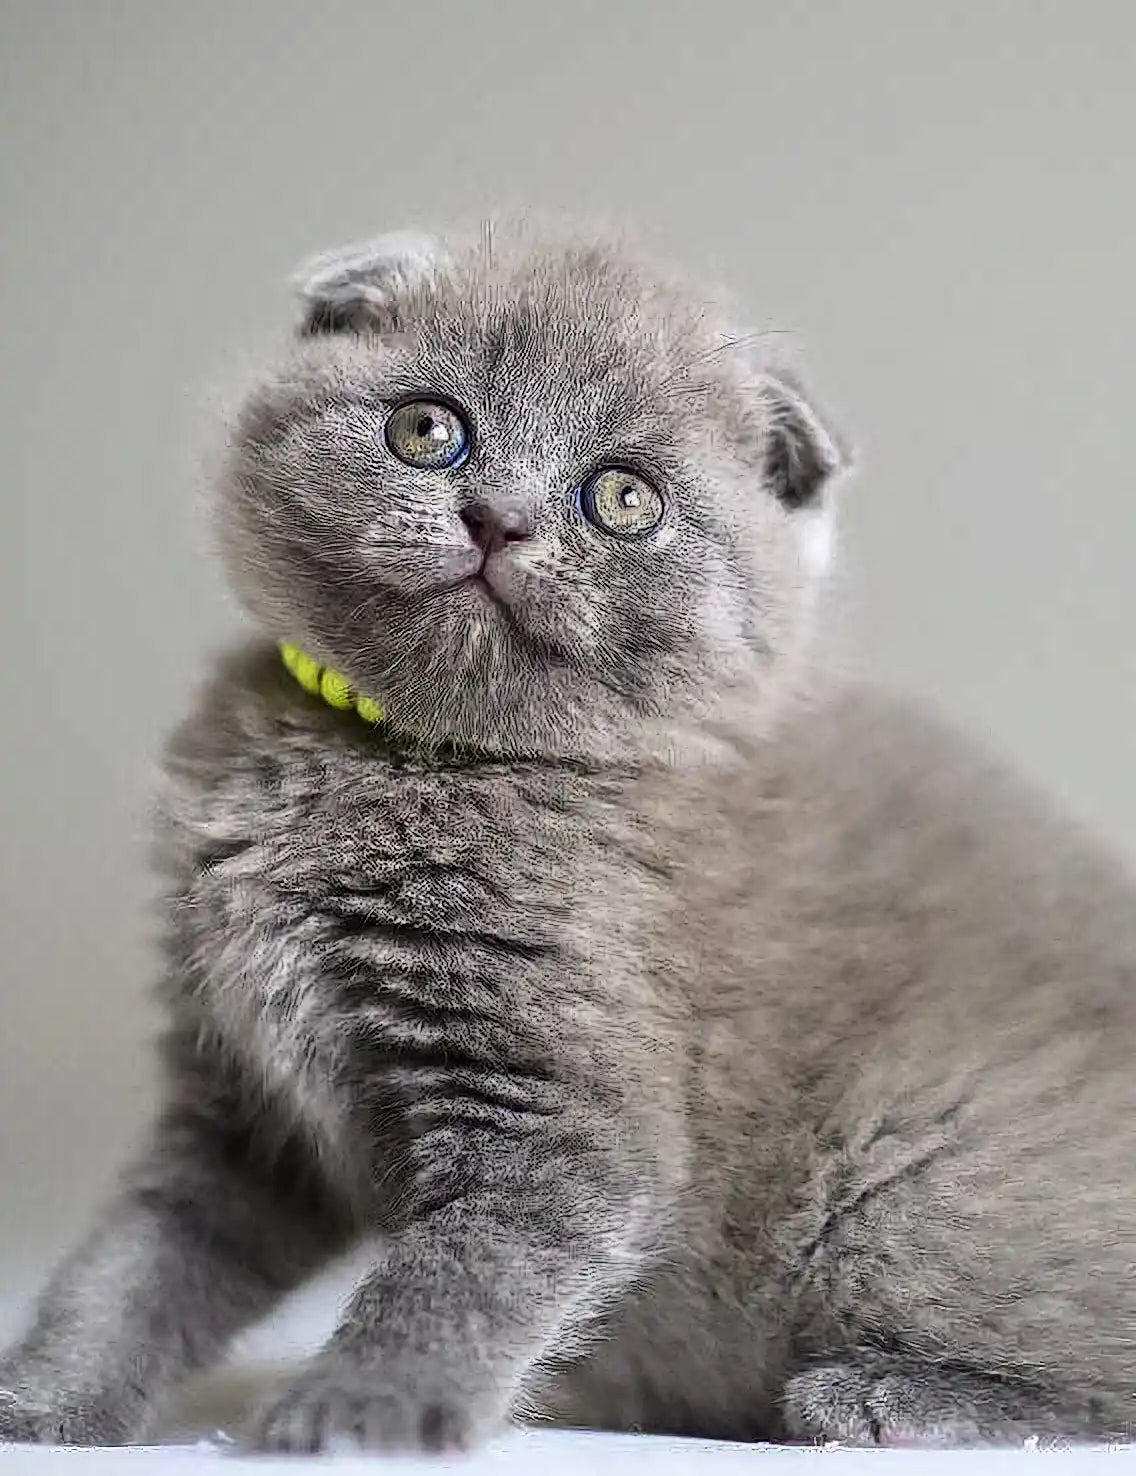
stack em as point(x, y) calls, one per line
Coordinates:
point(802, 454)
point(357, 288)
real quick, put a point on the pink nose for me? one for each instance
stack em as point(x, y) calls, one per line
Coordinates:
point(492, 527)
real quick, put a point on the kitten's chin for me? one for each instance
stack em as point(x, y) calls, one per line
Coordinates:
point(563, 717)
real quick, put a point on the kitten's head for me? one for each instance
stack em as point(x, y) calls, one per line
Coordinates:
point(530, 493)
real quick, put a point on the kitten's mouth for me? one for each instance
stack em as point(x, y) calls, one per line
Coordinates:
point(483, 585)
point(483, 589)
point(480, 580)
point(485, 581)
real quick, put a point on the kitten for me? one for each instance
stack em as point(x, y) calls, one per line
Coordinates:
point(703, 1044)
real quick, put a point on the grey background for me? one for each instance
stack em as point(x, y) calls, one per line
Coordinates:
point(937, 200)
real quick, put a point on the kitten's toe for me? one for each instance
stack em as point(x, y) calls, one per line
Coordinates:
point(893, 1402)
point(329, 1412)
point(17, 1422)
point(26, 1419)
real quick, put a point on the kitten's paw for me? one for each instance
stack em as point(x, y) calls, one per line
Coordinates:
point(19, 1423)
point(330, 1410)
point(31, 1418)
point(893, 1402)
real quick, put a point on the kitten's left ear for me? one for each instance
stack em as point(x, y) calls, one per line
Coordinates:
point(358, 288)
point(802, 456)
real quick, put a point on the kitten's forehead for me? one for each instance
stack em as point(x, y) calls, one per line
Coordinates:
point(579, 337)
point(533, 327)
point(601, 299)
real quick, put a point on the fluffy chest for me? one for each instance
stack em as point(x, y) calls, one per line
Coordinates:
point(373, 942)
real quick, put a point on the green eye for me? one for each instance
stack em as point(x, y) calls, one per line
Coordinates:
point(621, 502)
point(427, 434)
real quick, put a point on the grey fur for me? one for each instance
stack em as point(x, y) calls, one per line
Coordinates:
point(704, 1044)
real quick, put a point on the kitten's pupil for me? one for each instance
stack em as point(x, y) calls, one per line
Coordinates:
point(425, 426)
point(629, 497)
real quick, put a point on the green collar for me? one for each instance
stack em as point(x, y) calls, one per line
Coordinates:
point(331, 685)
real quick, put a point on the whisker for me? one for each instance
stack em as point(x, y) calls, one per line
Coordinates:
point(739, 341)
point(411, 545)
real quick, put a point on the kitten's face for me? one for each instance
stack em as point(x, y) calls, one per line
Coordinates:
point(527, 498)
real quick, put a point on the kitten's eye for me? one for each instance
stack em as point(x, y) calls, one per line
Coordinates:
point(622, 502)
point(426, 434)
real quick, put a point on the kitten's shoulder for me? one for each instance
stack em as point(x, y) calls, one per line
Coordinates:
point(861, 749)
point(861, 775)
point(252, 754)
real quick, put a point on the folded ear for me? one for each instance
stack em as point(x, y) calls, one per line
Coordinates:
point(357, 288)
point(801, 454)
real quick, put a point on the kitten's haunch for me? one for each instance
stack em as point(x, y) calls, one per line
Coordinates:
point(703, 1042)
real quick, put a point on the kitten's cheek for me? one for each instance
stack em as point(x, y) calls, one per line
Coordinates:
point(664, 536)
point(571, 622)
point(544, 599)
point(455, 564)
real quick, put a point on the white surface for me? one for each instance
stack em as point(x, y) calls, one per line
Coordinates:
point(936, 201)
point(571, 1453)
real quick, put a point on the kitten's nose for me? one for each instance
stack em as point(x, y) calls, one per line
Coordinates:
point(492, 526)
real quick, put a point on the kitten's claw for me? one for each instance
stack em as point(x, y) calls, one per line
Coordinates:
point(329, 1411)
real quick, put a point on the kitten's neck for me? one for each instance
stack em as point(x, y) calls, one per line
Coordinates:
point(711, 740)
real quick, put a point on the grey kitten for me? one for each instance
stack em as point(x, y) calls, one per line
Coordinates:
point(702, 1044)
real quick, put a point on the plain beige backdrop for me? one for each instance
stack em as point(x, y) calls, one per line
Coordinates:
point(936, 200)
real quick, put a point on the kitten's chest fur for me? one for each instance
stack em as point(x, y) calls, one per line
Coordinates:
point(376, 937)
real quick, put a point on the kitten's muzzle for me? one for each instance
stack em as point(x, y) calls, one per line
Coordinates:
point(492, 526)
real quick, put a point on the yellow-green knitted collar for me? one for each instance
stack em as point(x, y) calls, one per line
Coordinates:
point(331, 685)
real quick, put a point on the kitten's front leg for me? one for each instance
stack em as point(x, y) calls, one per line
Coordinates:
point(438, 1340)
point(198, 1244)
